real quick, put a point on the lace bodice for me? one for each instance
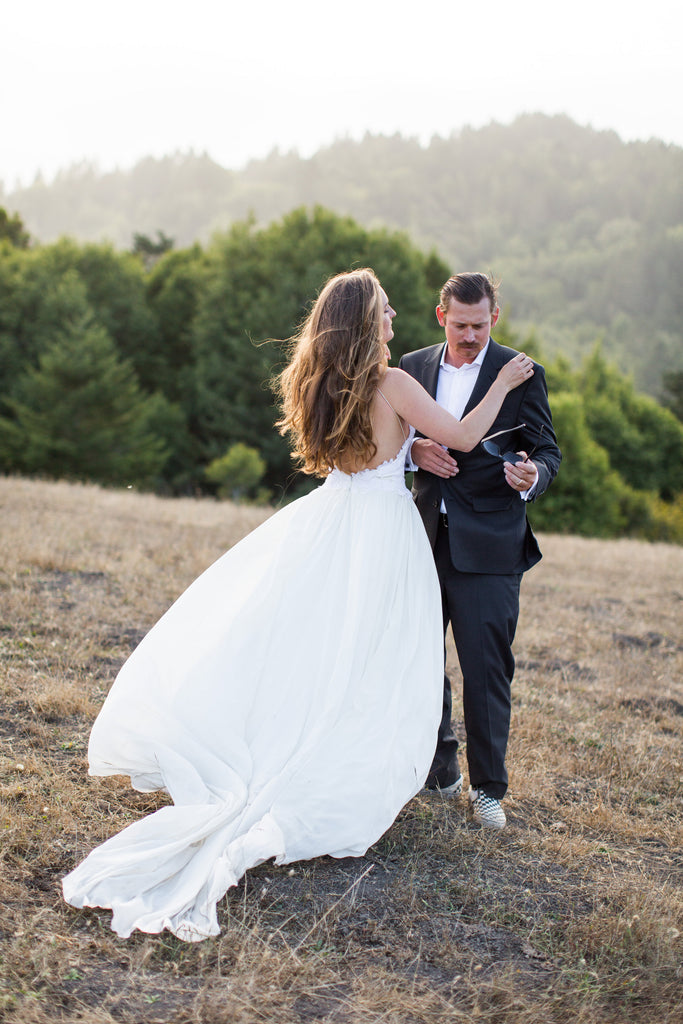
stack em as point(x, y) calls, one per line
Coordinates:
point(388, 476)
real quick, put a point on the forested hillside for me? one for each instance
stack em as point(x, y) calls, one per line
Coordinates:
point(152, 369)
point(585, 231)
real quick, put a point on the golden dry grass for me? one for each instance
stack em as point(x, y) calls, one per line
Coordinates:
point(573, 913)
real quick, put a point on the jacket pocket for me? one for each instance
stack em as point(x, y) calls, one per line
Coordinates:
point(492, 504)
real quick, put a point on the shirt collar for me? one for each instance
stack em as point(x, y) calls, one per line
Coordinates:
point(465, 366)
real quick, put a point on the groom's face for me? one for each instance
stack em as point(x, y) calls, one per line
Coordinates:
point(467, 329)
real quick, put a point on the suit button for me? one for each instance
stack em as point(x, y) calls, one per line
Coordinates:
point(435, 504)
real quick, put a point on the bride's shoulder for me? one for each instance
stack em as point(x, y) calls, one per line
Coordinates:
point(394, 379)
point(396, 383)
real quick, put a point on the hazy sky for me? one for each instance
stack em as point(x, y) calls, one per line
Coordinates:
point(113, 82)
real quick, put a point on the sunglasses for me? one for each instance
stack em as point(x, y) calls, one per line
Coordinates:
point(490, 446)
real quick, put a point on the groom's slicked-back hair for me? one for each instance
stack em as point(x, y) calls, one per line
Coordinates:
point(469, 288)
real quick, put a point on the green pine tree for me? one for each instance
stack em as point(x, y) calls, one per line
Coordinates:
point(81, 414)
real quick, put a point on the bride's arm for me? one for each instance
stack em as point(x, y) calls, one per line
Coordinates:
point(411, 401)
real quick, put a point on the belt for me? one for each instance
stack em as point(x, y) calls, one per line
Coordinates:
point(443, 520)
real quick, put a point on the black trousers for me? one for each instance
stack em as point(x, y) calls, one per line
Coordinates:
point(482, 610)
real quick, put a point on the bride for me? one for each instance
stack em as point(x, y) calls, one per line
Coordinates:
point(289, 700)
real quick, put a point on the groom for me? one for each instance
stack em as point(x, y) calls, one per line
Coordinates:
point(473, 505)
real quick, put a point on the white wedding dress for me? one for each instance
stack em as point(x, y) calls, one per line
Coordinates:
point(288, 702)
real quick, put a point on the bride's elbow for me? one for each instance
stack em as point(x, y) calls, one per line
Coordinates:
point(467, 444)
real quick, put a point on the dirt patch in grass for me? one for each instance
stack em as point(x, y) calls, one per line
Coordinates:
point(573, 913)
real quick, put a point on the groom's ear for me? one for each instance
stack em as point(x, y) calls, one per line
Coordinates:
point(494, 316)
point(441, 316)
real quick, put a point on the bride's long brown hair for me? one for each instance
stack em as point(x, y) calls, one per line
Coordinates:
point(327, 389)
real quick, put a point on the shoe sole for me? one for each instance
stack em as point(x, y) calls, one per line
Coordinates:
point(497, 826)
point(455, 789)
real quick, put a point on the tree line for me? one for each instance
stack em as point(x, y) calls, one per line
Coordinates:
point(586, 231)
point(152, 368)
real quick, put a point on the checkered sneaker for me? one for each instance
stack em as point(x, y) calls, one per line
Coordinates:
point(486, 810)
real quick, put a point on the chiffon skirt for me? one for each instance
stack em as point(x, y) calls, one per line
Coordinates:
point(288, 702)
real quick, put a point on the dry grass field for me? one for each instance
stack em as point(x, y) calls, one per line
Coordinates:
point(573, 913)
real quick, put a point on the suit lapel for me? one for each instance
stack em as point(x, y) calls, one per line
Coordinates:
point(430, 370)
point(487, 375)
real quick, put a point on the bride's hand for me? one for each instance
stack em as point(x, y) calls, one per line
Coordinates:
point(516, 371)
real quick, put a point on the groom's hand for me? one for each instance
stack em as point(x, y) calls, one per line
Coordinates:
point(433, 458)
point(522, 475)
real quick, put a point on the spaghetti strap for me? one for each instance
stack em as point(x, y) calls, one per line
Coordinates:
point(400, 421)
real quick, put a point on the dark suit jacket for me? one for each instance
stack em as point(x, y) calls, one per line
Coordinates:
point(488, 529)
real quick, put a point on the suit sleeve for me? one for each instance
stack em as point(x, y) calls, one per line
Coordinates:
point(535, 413)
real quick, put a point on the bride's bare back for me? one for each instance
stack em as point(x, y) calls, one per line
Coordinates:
point(388, 432)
